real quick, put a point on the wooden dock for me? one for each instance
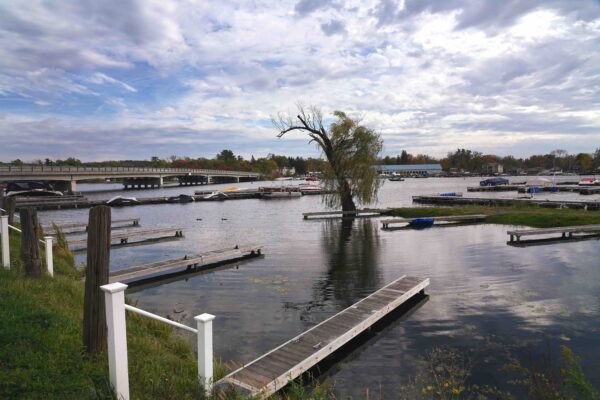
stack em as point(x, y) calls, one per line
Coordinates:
point(123, 237)
point(82, 227)
point(167, 268)
point(484, 201)
point(497, 188)
point(566, 232)
point(272, 371)
point(341, 214)
point(447, 220)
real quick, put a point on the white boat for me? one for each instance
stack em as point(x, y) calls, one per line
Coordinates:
point(283, 192)
point(309, 188)
point(122, 201)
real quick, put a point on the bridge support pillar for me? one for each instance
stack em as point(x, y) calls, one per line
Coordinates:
point(73, 186)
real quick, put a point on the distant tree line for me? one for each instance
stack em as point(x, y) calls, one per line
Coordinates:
point(472, 161)
point(271, 165)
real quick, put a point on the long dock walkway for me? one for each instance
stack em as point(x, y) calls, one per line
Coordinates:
point(588, 205)
point(188, 263)
point(565, 231)
point(123, 237)
point(449, 219)
point(342, 214)
point(272, 371)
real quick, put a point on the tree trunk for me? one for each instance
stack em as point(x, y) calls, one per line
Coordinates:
point(30, 246)
point(346, 198)
point(98, 258)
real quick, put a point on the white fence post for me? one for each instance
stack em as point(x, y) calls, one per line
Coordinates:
point(114, 298)
point(49, 255)
point(5, 241)
point(205, 350)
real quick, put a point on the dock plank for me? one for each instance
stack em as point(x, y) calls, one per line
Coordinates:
point(124, 237)
point(565, 231)
point(448, 218)
point(270, 372)
point(64, 227)
point(192, 263)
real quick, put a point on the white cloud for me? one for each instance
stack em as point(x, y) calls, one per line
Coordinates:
point(429, 76)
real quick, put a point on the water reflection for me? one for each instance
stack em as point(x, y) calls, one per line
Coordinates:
point(352, 249)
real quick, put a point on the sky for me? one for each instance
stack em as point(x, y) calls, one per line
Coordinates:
point(124, 79)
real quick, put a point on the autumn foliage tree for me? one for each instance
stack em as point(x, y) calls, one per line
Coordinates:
point(351, 150)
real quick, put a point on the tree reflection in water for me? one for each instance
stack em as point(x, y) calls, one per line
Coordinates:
point(352, 246)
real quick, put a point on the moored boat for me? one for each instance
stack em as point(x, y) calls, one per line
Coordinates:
point(589, 182)
point(282, 192)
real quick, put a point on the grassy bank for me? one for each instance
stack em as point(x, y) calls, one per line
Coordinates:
point(41, 351)
point(537, 217)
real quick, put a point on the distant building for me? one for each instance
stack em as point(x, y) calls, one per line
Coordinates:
point(492, 168)
point(286, 171)
point(411, 169)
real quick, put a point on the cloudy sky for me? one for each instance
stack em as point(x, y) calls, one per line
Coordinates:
point(133, 79)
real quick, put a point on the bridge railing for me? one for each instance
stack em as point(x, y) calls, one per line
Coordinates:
point(83, 170)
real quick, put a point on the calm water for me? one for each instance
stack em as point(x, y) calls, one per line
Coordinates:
point(486, 299)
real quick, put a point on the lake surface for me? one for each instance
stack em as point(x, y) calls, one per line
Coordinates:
point(488, 300)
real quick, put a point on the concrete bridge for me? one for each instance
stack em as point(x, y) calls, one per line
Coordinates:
point(66, 178)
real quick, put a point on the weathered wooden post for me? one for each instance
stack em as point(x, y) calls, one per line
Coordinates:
point(5, 241)
point(30, 244)
point(2, 197)
point(117, 338)
point(98, 258)
point(205, 350)
point(10, 204)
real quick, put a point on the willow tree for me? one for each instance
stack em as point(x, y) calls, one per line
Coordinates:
point(351, 150)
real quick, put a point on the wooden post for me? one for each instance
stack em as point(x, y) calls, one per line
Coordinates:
point(98, 258)
point(2, 198)
point(30, 245)
point(10, 203)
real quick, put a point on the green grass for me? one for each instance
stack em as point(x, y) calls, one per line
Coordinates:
point(41, 348)
point(537, 217)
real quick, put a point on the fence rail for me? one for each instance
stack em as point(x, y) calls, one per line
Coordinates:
point(114, 298)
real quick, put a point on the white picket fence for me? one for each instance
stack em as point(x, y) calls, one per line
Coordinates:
point(5, 245)
point(114, 298)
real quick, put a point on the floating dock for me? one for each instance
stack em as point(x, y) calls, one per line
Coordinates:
point(82, 227)
point(566, 232)
point(341, 214)
point(588, 205)
point(447, 220)
point(193, 263)
point(272, 371)
point(123, 237)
